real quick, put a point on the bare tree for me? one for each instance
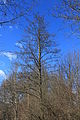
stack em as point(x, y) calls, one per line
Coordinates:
point(60, 97)
point(10, 10)
point(37, 51)
point(37, 48)
point(69, 11)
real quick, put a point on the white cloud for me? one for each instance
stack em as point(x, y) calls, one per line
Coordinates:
point(4, 1)
point(2, 74)
point(10, 27)
point(19, 45)
point(10, 55)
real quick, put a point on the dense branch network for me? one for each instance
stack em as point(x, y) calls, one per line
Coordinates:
point(10, 10)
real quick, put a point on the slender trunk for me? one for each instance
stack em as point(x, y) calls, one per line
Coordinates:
point(4, 100)
point(70, 92)
point(77, 81)
point(40, 78)
point(28, 100)
point(15, 98)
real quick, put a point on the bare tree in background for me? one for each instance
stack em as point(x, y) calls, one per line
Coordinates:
point(10, 10)
point(69, 10)
point(60, 97)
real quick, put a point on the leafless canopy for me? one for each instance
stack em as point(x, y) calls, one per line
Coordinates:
point(10, 10)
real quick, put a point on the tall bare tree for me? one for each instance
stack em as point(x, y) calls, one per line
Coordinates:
point(37, 51)
point(37, 48)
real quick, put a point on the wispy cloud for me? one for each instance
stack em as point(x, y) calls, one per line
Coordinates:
point(2, 74)
point(4, 1)
point(19, 45)
point(10, 55)
point(10, 27)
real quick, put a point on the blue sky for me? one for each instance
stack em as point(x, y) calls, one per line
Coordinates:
point(10, 34)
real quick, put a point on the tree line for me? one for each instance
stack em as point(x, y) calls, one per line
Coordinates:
point(23, 97)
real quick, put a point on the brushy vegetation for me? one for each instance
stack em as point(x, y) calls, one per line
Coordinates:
point(20, 94)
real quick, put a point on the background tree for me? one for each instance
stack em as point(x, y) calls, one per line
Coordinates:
point(10, 10)
point(61, 96)
point(69, 10)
